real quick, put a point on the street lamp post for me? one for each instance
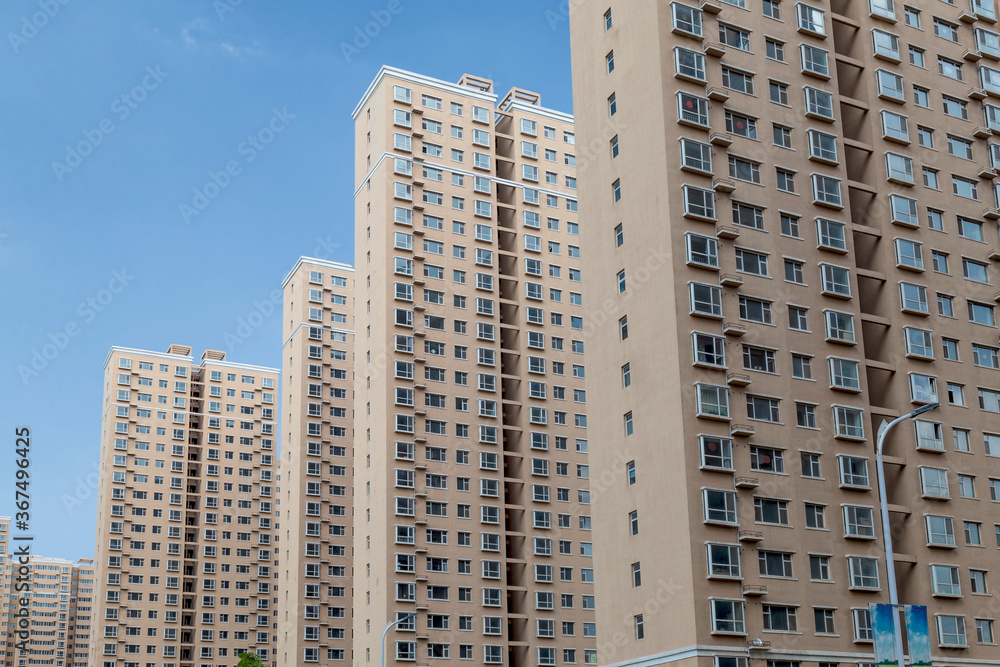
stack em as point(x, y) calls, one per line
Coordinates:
point(890, 563)
point(386, 630)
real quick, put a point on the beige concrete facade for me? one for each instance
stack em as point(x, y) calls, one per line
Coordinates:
point(317, 467)
point(790, 224)
point(471, 468)
point(185, 554)
point(59, 611)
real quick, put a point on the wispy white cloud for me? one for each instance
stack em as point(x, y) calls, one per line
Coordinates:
point(198, 25)
point(198, 33)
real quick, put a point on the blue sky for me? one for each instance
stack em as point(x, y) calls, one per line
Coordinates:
point(116, 112)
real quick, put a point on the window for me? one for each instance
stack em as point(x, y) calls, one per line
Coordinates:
point(864, 572)
point(815, 61)
point(831, 234)
point(859, 522)
point(964, 187)
point(822, 146)
point(716, 452)
point(746, 215)
point(836, 280)
point(713, 401)
point(774, 563)
point(854, 472)
point(797, 319)
point(778, 92)
point(819, 568)
point(950, 68)
point(934, 483)
point(766, 459)
point(899, 168)
point(940, 530)
point(811, 19)
point(748, 261)
point(790, 226)
point(734, 37)
point(939, 260)
point(911, 17)
point(945, 581)
point(781, 135)
point(918, 342)
point(848, 422)
point(692, 110)
point(736, 80)
point(815, 516)
point(727, 615)
point(702, 250)
point(886, 44)
point(771, 9)
point(922, 97)
point(720, 506)
point(785, 180)
point(913, 298)
point(696, 156)
point(758, 359)
point(946, 30)
point(801, 367)
point(981, 313)
point(741, 125)
point(894, 126)
point(688, 64)
point(686, 19)
point(775, 50)
point(925, 136)
point(723, 560)
point(826, 190)
point(890, 85)
point(951, 630)
point(754, 310)
point(767, 510)
point(709, 350)
point(909, 254)
point(706, 300)
point(819, 103)
point(904, 210)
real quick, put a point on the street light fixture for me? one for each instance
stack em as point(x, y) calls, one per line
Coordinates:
point(388, 626)
point(890, 563)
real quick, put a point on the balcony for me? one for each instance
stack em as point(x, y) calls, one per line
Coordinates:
point(730, 280)
point(723, 185)
point(728, 233)
point(734, 329)
point(721, 139)
point(714, 49)
point(718, 94)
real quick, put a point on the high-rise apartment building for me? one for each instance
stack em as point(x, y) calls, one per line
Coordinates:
point(186, 510)
point(315, 539)
point(59, 609)
point(470, 474)
point(790, 224)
